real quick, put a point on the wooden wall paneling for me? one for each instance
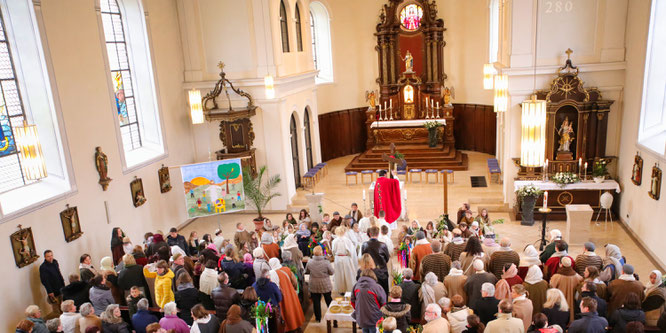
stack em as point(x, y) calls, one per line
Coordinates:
point(342, 133)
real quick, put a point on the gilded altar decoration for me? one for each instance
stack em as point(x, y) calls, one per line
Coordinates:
point(371, 98)
point(655, 183)
point(102, 165)
point(23, 246)
point(637, 170)
point(164, 178)
point(71, 225)
point(138, 196)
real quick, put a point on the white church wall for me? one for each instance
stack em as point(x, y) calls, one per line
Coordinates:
point(641, 214)
point(87, 112)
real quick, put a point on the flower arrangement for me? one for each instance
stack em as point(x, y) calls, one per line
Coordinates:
point(397, 278)
point(564, 178)
point(314, 243)
point(282, 238)
point(431, 124)
point(600, 168)
point(529, 191)
point(403, 254)
point(380, 325)
point(261, 311)
point(415, 329)
point(398, 155)
point(442, 223)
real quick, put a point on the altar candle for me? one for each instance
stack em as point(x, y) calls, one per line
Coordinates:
point(580, 164)
point(426, 102)
point(384, 105)
point(405, 195)
point(363, 195)
point(391, 103)
point(585, 168)
point(545, 199)
point(437, 105)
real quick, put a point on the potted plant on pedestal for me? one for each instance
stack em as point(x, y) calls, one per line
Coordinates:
point(599, 171)
point(431, 126)
point(528, 194)
point(259, 193)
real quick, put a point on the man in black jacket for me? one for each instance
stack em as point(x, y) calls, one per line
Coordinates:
point(410, 294)
point(76, 290)
point(589, 322)
point(175, 239)
point(486, 307)
point(224, 296)
point(49, 274)
point(589, 289)
point(380, 254)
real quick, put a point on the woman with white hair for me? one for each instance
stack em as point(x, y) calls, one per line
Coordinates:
point(171, 320)
point(112, 322)
point(345, 263)
point(431, 290)
point(69, 318)
point(556, 308)
point(34, 314)
point(88, 317)
point(260, 261)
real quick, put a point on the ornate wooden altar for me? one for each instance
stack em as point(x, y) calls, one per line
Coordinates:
point(587, 113)
point(410, 48)
point(236, 131)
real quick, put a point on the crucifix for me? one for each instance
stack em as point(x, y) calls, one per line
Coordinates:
point(568, 52)
point(391, 159)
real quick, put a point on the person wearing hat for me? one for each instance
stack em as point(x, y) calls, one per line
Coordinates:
point(588, 258)
point(335, 221)
point(566, 280)
point(218, 240)
point(548, 251)
point(476, 281)
point(354, 213)
point(619, 288)
point(456, 246)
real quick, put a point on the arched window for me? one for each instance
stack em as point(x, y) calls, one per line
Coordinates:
point(494, 32)
point(132, 82)
point(320, 28)
point(26, 94)
point(299, 33)
point(284, 31)
point(308, 139)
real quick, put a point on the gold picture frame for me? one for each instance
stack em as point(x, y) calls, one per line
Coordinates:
point(637, 171)
point(138, 195)
point(23, 247)
point(164, 178)
point(655, 183)
point(71, 225)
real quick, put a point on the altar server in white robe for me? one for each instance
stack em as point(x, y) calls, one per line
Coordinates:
point(356, 237)
point(345, 263)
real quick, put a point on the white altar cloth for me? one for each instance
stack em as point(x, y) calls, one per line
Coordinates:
point(404, 123)
point(403, 202)
point(584, 185)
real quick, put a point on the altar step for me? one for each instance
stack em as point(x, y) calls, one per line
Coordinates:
point(492, 204)
point(417, 157)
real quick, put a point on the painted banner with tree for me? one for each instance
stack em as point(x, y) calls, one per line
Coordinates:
point(213, 187)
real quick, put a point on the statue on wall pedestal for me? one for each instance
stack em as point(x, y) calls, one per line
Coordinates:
point(566, 136)
point(409, 62)
point(102, 165)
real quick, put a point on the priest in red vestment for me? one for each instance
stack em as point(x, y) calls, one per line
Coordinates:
point(387, 197)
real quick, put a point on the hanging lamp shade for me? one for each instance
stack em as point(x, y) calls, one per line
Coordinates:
point(501, 101)
point(196, 109)
point(533, 136)
point(488, 72)
point(270, 87)
point(33, 164)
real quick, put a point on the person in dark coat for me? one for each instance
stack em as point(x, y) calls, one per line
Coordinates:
point(52, 280)
point(157, 243)
point(367, 299)
point(186, 297)
point(486, 307)
point(475, 281)
point(117, 250)
point(589, 321)
point(179, 240)
point(410, 294)
point(380, 254)
point(589, 289)
point(247, 301)
point(239, 277)
point(132, 276)
point(630, 311)
point(267, 291)
point(397, 309)
point(142, 317)
point(548, 251)
point(224, 296)
point(76, 290)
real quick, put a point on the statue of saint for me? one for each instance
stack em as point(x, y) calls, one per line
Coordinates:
point(409, 62)
point(566, 135)
point(102, 165)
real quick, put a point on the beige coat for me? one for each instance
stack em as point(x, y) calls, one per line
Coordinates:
point(522, 309)
point(567, 284)
point(505, 324)
point(439, 325)
point(455, 285)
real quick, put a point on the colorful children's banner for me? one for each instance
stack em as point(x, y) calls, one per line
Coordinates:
point(213, 187)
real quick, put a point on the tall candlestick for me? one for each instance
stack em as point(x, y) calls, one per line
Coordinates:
point(580, 164)
point(438, 106)
point(545, 199)
point(384, 105)
point(426, 103)
point(391, 103)
point(585, 168)
point(363, 195)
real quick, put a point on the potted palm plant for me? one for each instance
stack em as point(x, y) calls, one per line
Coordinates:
point(259, 192)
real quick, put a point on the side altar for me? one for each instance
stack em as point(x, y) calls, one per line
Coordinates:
point(412, 91)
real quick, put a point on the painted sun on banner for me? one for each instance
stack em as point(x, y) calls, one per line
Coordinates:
point(213, 187)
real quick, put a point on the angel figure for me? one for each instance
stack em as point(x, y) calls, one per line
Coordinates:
point(371, 98)
point(566, 135)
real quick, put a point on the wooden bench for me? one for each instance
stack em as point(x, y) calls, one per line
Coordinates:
point(494, 170)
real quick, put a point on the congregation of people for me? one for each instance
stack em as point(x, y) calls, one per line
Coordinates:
point(449, 276)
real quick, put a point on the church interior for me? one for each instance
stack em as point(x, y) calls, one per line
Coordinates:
point(534, 116)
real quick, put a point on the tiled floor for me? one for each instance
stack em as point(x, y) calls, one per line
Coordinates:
point(424, 202)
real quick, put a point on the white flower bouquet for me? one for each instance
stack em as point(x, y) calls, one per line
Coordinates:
point(564, 178)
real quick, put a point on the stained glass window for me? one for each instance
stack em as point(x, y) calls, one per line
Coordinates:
point(410, 16)
point(121, 74)
point(284, 31)
point(11, 116)
point(299, 34)
point(314, 41)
